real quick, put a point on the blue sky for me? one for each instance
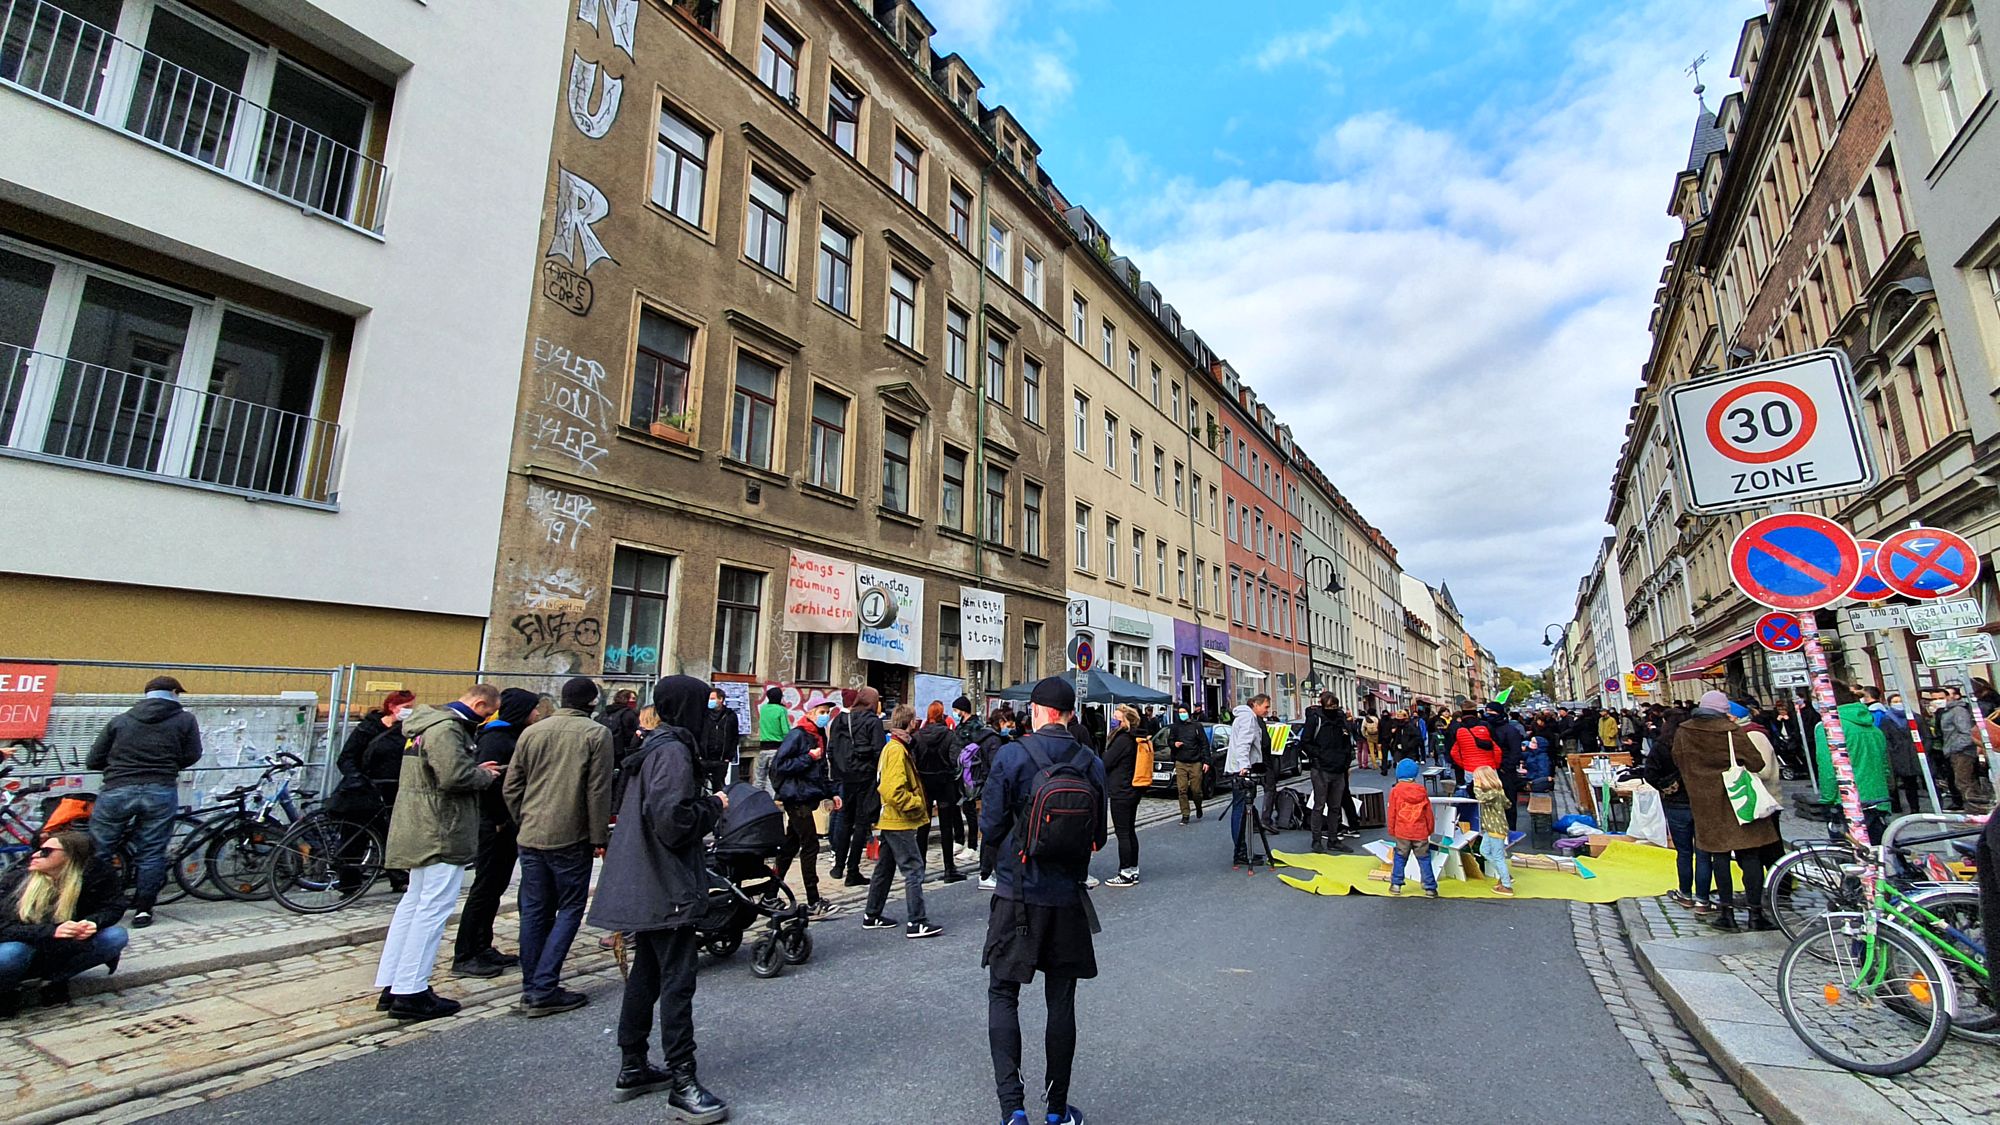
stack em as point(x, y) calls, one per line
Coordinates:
point(1427, 234)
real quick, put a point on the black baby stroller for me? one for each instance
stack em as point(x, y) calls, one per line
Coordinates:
point(742, 887)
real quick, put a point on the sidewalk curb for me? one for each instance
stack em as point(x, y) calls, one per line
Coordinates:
point(1746, 1036)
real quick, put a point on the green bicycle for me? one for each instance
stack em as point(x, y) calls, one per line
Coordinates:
point(1878, 991)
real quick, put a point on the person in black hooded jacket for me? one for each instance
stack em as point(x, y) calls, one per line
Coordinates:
point(1187, 740)
point(472, 951)
point(142, 753)
point(937, 770)
point(1121, 753)
point(1329, 751)
point(651, 886)
point(720, 740)
point(855, 746)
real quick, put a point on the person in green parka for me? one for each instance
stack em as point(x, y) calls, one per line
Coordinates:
point(774, 722)
point(1867, 753)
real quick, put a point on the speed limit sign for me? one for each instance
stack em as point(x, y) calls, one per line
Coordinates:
point(1786, 430)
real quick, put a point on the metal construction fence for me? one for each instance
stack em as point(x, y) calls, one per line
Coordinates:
point(247, 714)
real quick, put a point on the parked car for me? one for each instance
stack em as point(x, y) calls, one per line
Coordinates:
point(1163, 762)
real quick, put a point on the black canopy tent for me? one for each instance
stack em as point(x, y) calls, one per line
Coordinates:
point(1098, 687)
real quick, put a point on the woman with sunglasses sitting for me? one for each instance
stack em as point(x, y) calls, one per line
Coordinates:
point(58, 916)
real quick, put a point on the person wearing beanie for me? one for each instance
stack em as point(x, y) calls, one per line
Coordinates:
point(1410, 824)
point(774, 722)
point(473, 954)
point(558, 789)
point(652, 886)
point(141, 754)
point(1040, 919)
point(1704, 747)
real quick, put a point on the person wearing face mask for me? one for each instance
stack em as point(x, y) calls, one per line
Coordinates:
point(799, 773)
point(370, 761)
point(1121, 754)
point(855, 747)
point(1187, 740)
point(473, 952)
point(1905, 775)
point(1002, 728)
point(719, 734)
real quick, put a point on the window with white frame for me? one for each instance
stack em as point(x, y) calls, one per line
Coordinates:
point(1160, 567)
point(1132, 369)
point(1181, 575)
point(843, 114)
point(1951, 75)
point(999, 240)
point(765, 223)
point(906, 169)
point(1079, 420)
point(1079, 319)
point(106, 369)
point(1031, 276)
point(778, 51)
point(1134, 445)
point(902, 306)
point(1112, 546)
point(1031, 389)
point(1107, 341)
point(1180, 486)
point(1138, 559)
point(680, 166)
point(1111, 441)
point(827, 452)
point(1080, 548)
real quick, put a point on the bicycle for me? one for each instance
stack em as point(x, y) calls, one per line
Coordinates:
point(233, 849)
point(1877, 991)
point(324, 862)
point(1816, 878)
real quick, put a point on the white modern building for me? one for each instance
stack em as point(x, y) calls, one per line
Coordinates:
point(266, 266)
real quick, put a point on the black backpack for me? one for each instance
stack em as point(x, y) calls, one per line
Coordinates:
point(1482, 737)
point(1288, 811)
point(1065, 812)
point(840, 745)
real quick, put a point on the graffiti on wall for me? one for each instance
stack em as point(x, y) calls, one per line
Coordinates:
point(622, 15)
point(579, 205)
point(559, 589)
point(569, 411)
point(568, 641)
point(583, 80)
point(563, 515)
point(567, 288)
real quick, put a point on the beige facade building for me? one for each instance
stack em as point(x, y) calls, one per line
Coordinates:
point(792, 393)
point(1799, 232)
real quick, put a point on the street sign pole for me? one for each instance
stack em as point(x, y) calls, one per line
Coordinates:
point(1913, 714)
point(1836, 739)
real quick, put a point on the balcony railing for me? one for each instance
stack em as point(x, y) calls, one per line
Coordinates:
point(59, 57)
point(58, 409)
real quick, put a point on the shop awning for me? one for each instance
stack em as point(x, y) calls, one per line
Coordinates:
point(1224, 658)
point(1699, 669)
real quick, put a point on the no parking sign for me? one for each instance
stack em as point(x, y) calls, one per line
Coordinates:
point(1795, 561)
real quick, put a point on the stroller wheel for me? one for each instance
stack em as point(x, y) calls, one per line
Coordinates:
point(766, 959)
point(724, 946)
point(796, 945)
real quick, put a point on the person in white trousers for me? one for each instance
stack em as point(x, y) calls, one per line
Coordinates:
point(433, 834)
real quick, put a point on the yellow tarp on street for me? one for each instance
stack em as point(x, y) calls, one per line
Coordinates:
point(1623, 871)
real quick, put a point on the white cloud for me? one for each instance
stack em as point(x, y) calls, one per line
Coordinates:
point(1454, 323)
point(1307, 43)
point(970, 25)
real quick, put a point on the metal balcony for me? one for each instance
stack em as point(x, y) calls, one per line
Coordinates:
point(70, 62)
point(65, 411)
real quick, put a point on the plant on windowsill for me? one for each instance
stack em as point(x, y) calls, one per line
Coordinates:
point(673, 426)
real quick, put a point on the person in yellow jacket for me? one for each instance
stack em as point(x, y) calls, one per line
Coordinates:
point(904, 811)
point(1607, 731)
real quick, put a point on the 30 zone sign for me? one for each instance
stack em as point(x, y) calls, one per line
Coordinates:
point(1785, 430)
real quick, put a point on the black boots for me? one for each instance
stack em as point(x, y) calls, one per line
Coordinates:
point(636, 1076)
point(1759, 922)
point(689, 1102)
point(1723, 919)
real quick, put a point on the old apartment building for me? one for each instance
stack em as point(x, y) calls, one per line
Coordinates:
point(1800, 230)
point(794, 337)
point(260, 277)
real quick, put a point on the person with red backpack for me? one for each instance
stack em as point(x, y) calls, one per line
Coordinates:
point(1410, 825)
point(1473, 744)
point(1045, 804)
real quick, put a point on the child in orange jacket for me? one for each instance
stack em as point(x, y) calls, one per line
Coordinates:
point(1410, 827)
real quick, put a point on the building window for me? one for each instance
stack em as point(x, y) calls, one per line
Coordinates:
point(1079, 417)
point(1079, 319)
point(1159, 473)
point(1181, 575)
point(660, 372)
point(754, 412)
point(1211, 505)
point(903, 306)
point(1111, 547)
point(1031, 649)
point(1128, 662)
point(1180, 487)
point(828, 453)
point(897, 440)
point(951, 493)
point(961, 216)
point(998, 238)
point(836, 268)
point(765, 222)
point(1156, 382)
point(739, 603)
point(680, 166)
point(1132, 370)
point(1951, 77)
point(1174, 397)
point(1200, 583)
point(1160, 566)
point(1138, 559)
point(948, 648)
point(1031, 276)
point(814, 664)
point(1031, 389)
point(778, 59)
point(996, 505)
point(1031, 518)
point(1106, 341)
point(956, 330)
point(996, 369)
point(637, 626)
point(907, 167)
point(1163, 669)
point(1081, 548)
point(843, 115)
point(1133, 443)
point(1111, 441)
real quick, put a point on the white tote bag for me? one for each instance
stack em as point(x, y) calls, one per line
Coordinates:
point(1748, 797)
point(1649, 818)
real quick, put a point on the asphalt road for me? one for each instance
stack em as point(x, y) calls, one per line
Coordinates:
point(1221, 998)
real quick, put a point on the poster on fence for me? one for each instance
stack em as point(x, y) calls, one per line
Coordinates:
point(929, 688)
point(819, 594)
point(736, 696)
point(982, 624)
point(27, 692)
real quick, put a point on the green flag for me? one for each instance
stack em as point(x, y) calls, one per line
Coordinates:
point(1504, 696)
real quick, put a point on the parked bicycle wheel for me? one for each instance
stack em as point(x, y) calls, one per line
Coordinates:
point(323, 863)
point(1877, 1005)
point(188, 864)
point(1972, 1017)
point(185, 826)
point(1808, 883)
point(239, 858)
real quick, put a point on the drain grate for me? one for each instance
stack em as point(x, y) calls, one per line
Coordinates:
point(159, 1026)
